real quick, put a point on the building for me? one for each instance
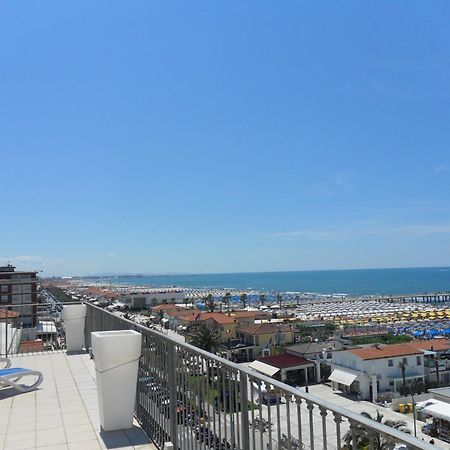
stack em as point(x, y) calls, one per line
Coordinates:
point(260, 338)
point(247, 318)
point(221, 323)
point(437, 369)
point(366, 372)
point(19, 288)
point(286, 368)
point(152, 297)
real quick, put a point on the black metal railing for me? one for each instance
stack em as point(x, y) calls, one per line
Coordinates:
point(197, 400)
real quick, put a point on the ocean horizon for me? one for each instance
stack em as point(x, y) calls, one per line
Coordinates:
point(343, 281)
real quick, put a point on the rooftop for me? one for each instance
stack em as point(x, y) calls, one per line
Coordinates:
point(408, 348)
point(284, 360)
point(63, 412)
point(387, 351)
point(216, 316)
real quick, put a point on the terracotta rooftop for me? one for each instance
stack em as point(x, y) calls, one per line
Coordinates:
point(184, 314)
point(265, 328)
point(8, 314)
point(165, 307)
point(409, 348)
point(216, 316)
point(434, 344)
point(245, 314)
point(387, 351)
point(284, 360)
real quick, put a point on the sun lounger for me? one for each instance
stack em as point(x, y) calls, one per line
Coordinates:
point(10, 378)
point(4, 362)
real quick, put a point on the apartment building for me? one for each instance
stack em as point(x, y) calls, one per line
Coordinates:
point(19, 288)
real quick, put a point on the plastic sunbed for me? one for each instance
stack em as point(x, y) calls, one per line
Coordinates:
point(11, 376)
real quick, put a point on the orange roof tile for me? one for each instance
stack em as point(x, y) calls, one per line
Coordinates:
point(387, 351)
point(245, 314)
point(434, 344)
point(165, 307)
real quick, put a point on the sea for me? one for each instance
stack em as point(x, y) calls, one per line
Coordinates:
point(349, 282)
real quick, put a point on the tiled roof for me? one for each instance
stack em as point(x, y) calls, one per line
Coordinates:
point(217, 317)
point(265, 328)
point(9, 314)
point(165, 307)
point(387, 351)
point(434, 344)
point(245, 314)
point(409, 348)
point(284, 360)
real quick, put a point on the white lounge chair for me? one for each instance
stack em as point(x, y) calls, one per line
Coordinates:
point(5, 362)
point(11, 376)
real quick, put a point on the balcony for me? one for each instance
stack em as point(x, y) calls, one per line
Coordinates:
point(188, 397)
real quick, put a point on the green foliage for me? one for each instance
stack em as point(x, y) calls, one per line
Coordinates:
point(380, 441)
point(381, 339)
point(204, 338)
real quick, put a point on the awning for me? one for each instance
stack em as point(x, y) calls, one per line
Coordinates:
point(342, 377)
point(435, 408)
point(264, 368)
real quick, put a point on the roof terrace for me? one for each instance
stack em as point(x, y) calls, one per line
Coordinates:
point(63, 412)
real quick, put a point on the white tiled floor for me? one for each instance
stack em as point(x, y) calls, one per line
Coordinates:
point(62, 413)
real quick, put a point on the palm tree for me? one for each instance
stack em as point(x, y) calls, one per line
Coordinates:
point(226, 299)
point(206, 339)
point(402, 366)
point(244, 300)
point(362, 433)
point(262, 299)
point(279, 299)
point(209, 302)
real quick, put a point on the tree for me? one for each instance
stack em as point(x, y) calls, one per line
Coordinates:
point(209, 303)
point(244, 300)
point(262, 299)
point(279, 299)
point(381, 442)
point(206, 339)
point(402, 366)
point(226, 299)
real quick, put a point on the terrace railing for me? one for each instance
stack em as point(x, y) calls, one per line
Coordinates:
point(197, 400)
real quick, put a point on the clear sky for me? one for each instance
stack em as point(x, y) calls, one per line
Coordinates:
point(171, 136)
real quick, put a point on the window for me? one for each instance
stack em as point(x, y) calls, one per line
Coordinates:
point(390, 363)
point(391, 383)
point(405, 361)
point(4, 298)
point(419, 361)
point(4, 288)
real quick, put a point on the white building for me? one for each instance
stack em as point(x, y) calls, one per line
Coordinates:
point(367, 372)
point(152, 297)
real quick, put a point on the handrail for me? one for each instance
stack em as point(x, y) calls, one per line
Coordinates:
point(309, 398)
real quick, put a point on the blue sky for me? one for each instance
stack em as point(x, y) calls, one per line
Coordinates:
point(224, 136)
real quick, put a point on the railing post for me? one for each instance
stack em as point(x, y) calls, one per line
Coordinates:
point(338, 420)
point(310, 406)
point(245, 427)
point(172, 393)
point(353, 427)
point(323, 413)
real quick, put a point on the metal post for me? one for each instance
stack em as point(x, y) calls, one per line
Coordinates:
point(414, 415)
point(245, 428)
point(172, 386)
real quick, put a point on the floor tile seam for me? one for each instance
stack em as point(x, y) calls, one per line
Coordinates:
point(80, 393)
point(52, 363)
point(85, 364)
